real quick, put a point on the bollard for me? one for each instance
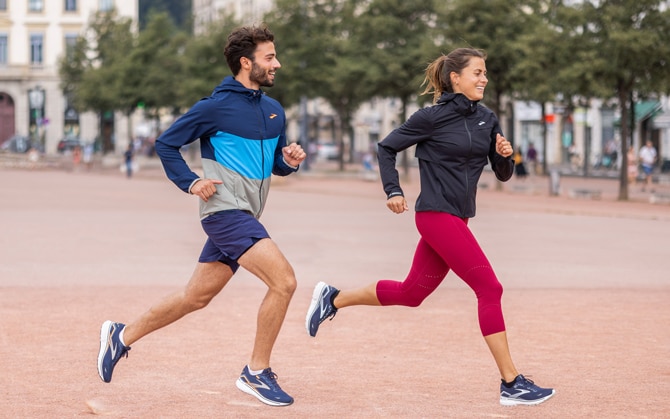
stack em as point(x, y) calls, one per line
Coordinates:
point(554, 182)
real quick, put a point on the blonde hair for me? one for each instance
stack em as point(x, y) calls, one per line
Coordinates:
point(438, 73)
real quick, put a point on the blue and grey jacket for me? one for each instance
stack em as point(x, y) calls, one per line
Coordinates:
point(242, 132)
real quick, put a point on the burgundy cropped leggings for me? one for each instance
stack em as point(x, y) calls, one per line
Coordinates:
point(447, 243)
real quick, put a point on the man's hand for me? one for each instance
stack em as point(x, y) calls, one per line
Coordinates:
point(293, 154)
point(397, 204)
point(205, 188)
point(503, 147)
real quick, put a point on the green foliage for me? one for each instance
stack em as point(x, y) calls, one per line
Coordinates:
point(497, 27)
point(156, 64)
point(350, 51)
point(400, 42)
point(205, 65)
point(90, 70)
point(179, 11)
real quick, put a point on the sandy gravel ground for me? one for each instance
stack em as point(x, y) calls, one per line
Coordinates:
point(587, 284)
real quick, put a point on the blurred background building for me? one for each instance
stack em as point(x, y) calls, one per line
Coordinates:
point(34, 35)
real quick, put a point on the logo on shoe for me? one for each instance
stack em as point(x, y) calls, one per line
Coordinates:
point(323, 306)
point(110, 342)
point(519, 393)
point(260, 384)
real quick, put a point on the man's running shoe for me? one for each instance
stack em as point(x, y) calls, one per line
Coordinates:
point(321, 307)
point(111, 349)
point(264, 387)
point(523, 391)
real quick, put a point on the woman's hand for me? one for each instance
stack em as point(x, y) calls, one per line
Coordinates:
point(397, 204)
point(503, 147)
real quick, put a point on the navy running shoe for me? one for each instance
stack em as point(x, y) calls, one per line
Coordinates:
point(523, 391)
point(321, 307)
point(111, 349)
point(264, 387)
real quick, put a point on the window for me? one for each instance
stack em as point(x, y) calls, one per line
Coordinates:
point(70, 5)
point(106, 5)
point(3, 49)
point(35, 5)
point(70, 43)
point(36, 45)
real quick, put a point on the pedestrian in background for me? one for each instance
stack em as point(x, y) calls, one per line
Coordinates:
point(531, 157)
point(455, 139)
point(648, 158)
point(242, 136)
point(128, 157)
point(519, 166)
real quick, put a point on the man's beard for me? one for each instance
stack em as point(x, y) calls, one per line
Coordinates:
point(260, 76)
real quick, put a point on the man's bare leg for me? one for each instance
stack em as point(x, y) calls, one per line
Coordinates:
point(207, 281)
point(267, 262)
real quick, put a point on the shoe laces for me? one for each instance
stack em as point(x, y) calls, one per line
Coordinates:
point(528, 383)
point(270, 378)
point(528, 380)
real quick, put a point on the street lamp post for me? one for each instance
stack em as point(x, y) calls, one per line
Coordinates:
point(36, 99)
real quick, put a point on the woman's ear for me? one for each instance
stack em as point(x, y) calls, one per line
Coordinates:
point(453, 76)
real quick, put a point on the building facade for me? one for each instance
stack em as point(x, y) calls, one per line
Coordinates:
point(206, 12)
point(34, 35)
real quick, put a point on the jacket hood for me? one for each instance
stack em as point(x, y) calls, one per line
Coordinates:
point(464, 106)
point(229, 84)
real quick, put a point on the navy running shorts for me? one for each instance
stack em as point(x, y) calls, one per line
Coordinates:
point(230, 233)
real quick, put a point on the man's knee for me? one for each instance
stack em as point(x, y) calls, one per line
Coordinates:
point(286, 286)
point(197, 301)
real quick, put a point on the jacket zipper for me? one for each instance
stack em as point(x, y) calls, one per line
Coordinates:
point(467, 167)
point(261, 131)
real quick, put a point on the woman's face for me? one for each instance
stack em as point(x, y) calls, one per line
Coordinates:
point(472, 81)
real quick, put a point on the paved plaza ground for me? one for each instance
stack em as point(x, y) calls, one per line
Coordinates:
point(587, 285)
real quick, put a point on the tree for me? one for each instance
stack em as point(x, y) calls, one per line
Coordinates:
point(496, 26)
point(317, 47)
point(399, 43)
point(205, 65)
point(114, 69)
point(543, 50)
point(554, 56)
point(178, 10)
point(630, 46)
point(89, 71)
point(157, 65)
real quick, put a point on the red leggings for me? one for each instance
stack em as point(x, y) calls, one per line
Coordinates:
point(447, 243)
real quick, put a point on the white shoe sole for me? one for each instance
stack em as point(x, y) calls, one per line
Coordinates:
point(249, 390)
point(521, 402)
point(316, 296)
point(104, 333)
